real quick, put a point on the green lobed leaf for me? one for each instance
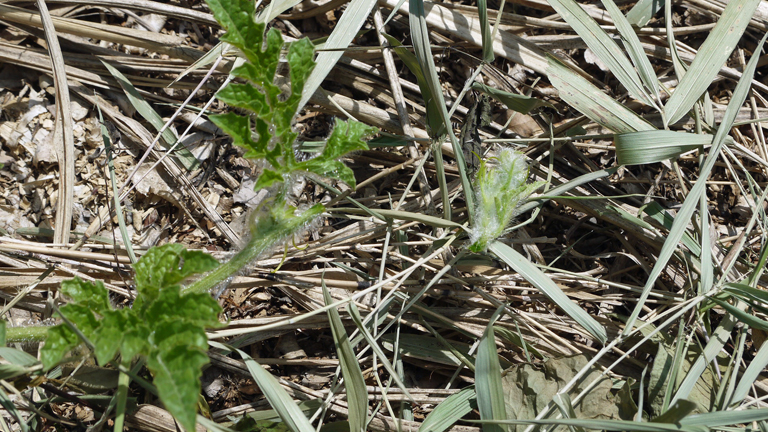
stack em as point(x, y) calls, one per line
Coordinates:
point(90, 294)
point(163, 325)
point(177, 374)
point(109, 335)
point(237, 17)
point(301, 66)
point(136, 339)
point(168, 334)
point(168, 265)
point(59, 341)
point(82, 317)
point(274, 111)
point(199, 310)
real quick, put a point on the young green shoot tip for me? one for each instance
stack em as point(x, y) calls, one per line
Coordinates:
point(500, 186)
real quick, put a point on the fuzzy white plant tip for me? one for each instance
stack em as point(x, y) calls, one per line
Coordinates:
point(500, 186)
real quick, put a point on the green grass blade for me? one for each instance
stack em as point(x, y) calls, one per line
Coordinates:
point(676, 412)
point(613, 425)
point(278, 398)
point(357, 394)
point(692, 200)
point(565, 187)
point(515, 102)
point(10, 407)
point(725, 418)
point(642, 12)
point(604, 47)
point(485, 31)
point(564, 405)
point(273, 9)
point(716, 343)
point(755, 368)
point(115, 194)
point(345, 31)
point(451, 410)
point(382, 357)
point(710, 58)
point(707, 270)
point(143, 107)
point(636, 148)
point(579, 93)
point(490, 394)
point(635, 51)
point(434, 122)
point(743, 316)
point(537, 278)
point(423, 51)
point(426, 348)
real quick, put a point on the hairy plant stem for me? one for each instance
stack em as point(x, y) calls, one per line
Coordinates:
point(26, 334)
point(270, 230)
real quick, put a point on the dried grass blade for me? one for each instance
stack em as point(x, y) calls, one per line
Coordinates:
point(146, 6)
point(646, 147)
point(541, 281)
point(184, 156)
point(691, 201)
point(592, 102)
point(220, 49)
point(357, 394)
point(64, 140)
point(158, 42)
point(710, 58)
point(278, 398)
point(345, 31)
point(490, 394)
point(506, 45)
point(604, 47)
